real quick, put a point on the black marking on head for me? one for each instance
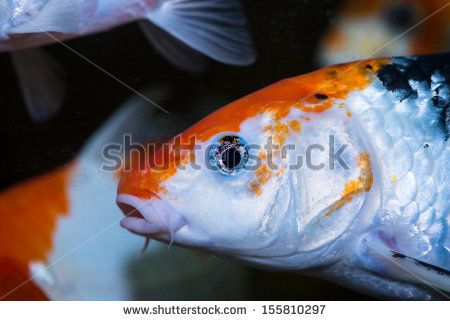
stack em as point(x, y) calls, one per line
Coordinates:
point(321, 96)
point(426, 146)
point(433, 70)
point(394, 80)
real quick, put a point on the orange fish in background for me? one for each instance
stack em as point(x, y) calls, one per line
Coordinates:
point(60, 236)
point(372, 28)
point(29, 214)
point(59, 232)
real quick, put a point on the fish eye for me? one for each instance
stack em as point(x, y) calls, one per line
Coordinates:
point(229, 154)
point(400, 16)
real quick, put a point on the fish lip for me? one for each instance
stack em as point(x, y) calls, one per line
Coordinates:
point(152, 218)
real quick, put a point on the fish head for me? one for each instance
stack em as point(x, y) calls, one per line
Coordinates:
point(384, 28)
point(209, 188)
point(230, 184)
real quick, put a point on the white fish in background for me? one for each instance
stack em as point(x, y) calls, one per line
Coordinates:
point(376, 219)
point(180, 29)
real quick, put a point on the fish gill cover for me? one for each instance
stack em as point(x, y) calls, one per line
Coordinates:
point(433, 70)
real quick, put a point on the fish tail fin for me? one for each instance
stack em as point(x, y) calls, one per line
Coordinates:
point(217, 28)
point(176, 52)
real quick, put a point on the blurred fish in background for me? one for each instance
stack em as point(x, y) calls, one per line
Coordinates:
point(60, 237)
point(181, 30)
point(367, 29)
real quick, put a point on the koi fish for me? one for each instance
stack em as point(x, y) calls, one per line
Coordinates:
point(59, 230)
point(366, 29)
point(367, 208)
point(46, 221)
point(180, 30)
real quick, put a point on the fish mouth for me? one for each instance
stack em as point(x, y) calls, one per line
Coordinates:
point(152, 218)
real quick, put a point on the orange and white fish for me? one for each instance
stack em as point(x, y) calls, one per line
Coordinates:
point(341, 173)
point(180, 30)
point(367, 29)
point(60, 236)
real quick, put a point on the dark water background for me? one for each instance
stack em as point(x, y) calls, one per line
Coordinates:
point(286, 33)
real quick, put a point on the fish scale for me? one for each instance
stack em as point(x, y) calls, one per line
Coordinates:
point(409, 139)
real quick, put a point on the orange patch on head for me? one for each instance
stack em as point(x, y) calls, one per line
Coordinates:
point(364, 182)
point(147, 182)
point(281, 131)
point(29, 213)
point(280, 172)
point(333, 83)
point(305, 92)
point(355, 187)
point(135, 159)
point(262, 174)
point(295, 125)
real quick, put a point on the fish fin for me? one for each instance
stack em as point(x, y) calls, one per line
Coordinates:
point(377, 255)
point(217, 28)
point(56, 16)
point(41, 82)
point(15, 282)
point(175, 51)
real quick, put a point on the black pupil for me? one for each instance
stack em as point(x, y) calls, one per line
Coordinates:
point(231, 158)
